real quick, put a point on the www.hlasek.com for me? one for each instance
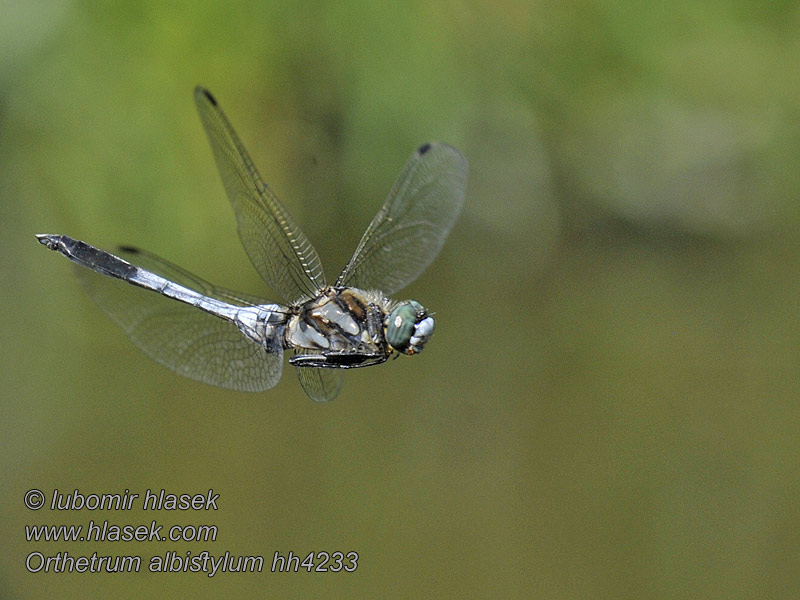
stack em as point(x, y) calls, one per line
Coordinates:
point(98, 530)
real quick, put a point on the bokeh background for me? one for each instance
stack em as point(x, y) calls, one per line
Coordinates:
point(609, 408)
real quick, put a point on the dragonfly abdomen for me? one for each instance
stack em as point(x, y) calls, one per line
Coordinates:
point(264, 324)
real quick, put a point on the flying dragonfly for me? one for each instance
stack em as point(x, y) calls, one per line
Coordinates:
point(237, 341)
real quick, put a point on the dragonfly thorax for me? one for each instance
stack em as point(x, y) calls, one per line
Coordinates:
point(341, 320)
point(350, 321)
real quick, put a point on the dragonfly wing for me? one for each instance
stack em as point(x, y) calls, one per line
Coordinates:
point(181, 337)
point(167, 270)
point(278, 249)
point(411, 227)
point(321, 385)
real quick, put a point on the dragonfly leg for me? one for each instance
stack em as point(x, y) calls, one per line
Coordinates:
point(337, 360)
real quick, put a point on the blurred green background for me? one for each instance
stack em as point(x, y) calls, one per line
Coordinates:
point(609, 406)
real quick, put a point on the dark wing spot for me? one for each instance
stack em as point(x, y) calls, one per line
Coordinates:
point(208, 96)
point(423, 149)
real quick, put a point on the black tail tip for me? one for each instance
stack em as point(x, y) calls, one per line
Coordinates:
point(47, 239)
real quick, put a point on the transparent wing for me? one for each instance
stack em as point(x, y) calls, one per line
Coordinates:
point(181, 337)
point(409, 230)
point(321, 385)
point(277, 247)
point(151, 262)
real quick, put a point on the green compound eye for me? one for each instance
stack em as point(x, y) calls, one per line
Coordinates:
point(408, 327)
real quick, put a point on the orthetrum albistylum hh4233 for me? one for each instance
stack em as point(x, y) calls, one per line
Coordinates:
point(237, 341)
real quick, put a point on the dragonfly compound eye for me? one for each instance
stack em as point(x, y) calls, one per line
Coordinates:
point(408, 327)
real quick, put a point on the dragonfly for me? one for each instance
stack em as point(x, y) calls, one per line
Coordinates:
point(237, 341)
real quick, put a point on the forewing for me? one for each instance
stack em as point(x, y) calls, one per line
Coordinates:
point(278, 249)
point(181, 337)
point(411, 227)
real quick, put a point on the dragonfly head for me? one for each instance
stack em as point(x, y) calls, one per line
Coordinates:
point(408, 327)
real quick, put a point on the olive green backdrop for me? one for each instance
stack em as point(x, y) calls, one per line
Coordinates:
point(609, 407)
